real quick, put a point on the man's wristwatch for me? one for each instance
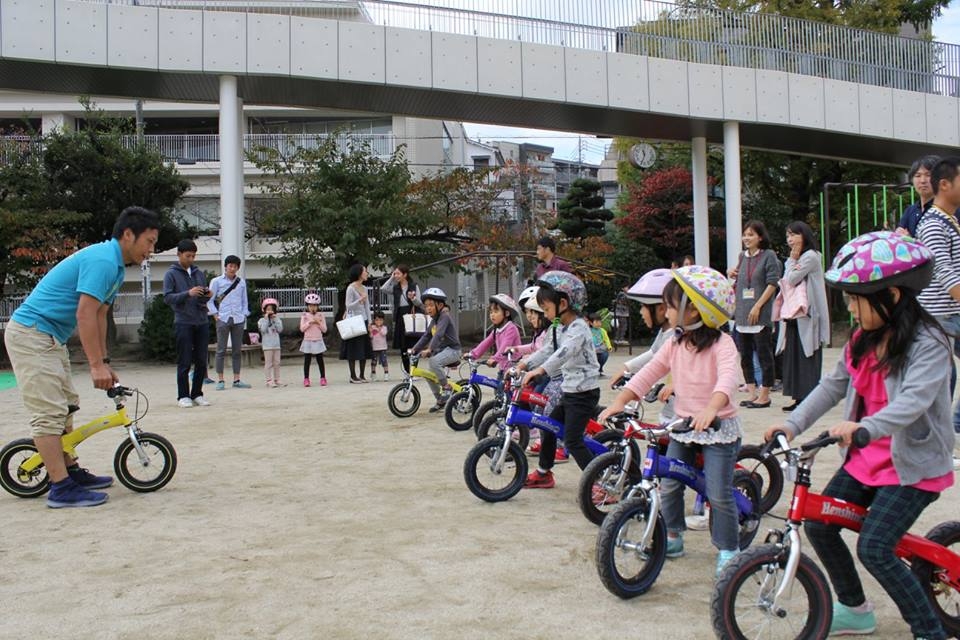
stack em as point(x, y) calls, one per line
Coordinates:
point(105, 360)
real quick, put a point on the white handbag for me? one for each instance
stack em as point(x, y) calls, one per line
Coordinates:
point(414, 323)
point(351, 327)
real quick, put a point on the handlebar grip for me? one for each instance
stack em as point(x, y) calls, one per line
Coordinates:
point(861, 437)
point(687, 426)
point(117, 390)
point(769, 445)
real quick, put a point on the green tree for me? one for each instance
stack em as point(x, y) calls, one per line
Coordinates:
point(339, 204)
point(581, 212)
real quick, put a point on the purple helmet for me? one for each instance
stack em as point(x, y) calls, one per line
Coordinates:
point(565, 285)
point(649, 288)
point(878, 260)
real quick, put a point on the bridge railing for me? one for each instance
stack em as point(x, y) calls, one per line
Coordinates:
point(648, 27)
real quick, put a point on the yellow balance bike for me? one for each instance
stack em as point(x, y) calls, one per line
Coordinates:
point(143, 462)
point(404, 398)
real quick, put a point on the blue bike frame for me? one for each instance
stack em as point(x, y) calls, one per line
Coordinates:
point(522, 417)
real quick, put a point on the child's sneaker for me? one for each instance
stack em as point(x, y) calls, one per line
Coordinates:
point(698, 522)
point(723, 557)
point(674, 546)
point(534, 449)
point(68, 493)
point(323, 382)
point(847, 622)
point(306, 382)
point(386, 376)
point(87, 480)
point(561, 456)
point(221, 385)
point(238, 384)
point(537, 480)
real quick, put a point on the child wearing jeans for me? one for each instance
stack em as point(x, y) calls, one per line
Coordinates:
point(378, 342)
point(562, 295)
point(270, 328)
point(894, 381)
point(704, 364)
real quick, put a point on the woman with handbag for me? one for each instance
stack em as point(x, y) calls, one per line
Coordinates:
point(805, 317)
point(353, 327)
point(406, 301)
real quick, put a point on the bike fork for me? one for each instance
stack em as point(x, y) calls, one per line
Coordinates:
point(789, 572)
point(132, 434)
point(653, 496)
point(496, 465)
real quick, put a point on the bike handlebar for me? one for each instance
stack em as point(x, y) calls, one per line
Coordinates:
point(860, 439)
point(119, 390)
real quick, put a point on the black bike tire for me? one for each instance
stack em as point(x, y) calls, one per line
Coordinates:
point(391, 401)
point(598, 466)
point(450, 411)
point(487, 429)
point(607, 542)
point(126, 449)
point(945, 534)
point(771, 490)
point(13, 484)
point(483, 449)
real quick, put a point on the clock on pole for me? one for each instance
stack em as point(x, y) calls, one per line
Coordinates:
point(642, 155)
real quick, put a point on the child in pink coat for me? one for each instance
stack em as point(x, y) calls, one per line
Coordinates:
point(504, 335)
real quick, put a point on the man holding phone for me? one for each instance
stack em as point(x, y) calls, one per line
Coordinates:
point(185, 291)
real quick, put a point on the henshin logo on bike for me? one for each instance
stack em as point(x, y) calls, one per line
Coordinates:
point(848, 513)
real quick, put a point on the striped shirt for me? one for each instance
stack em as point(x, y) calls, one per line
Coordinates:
point(940, 235)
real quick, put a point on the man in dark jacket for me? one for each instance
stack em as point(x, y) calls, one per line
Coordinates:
point(185, 290)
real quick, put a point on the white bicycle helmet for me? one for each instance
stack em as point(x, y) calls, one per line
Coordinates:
point(434, 293)
point(506, 303)
point(312, 298)
point(528, 299)
point(649, 288)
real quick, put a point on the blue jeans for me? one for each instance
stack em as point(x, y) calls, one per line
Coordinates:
point(718, 463)
point(192, 342)
point(951, 324)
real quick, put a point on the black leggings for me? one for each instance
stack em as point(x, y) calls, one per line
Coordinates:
point(762, 344)
point(306, 365)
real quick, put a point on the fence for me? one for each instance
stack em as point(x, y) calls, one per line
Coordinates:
point(661, 29)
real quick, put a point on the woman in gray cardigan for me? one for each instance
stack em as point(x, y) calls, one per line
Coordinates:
point(757, 275)
point(801, 340)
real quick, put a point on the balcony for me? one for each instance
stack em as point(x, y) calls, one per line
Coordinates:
point(193, 148)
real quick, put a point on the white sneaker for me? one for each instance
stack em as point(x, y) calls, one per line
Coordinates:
point(698, 523)
point(200, 401)
point(386, 377)
point(185, 403)
point(956, 463)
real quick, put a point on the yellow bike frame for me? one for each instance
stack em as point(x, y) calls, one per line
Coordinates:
point(70, 440)
point(421, 372)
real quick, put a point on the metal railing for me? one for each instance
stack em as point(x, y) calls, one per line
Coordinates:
point(647, 27)
point(189, 148)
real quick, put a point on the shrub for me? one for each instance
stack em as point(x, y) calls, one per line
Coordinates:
point(157, 338)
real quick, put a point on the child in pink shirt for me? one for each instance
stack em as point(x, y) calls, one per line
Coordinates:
point(378, 344)
point(504, 335)
point(704, 364)
point(313, 324)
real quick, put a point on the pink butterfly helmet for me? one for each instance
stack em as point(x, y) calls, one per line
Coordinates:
point(880, 259)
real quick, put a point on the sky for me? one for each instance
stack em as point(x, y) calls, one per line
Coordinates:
point(570, 146)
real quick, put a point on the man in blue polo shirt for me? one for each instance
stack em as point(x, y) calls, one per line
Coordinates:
point(75, 294)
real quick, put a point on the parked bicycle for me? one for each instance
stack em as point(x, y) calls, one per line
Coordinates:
point(776, 590)
point(143, 462)
point(404, 398)
point(632, 543)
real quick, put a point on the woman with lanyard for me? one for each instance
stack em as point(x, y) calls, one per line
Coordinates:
point(756, 283)
point(406, 299)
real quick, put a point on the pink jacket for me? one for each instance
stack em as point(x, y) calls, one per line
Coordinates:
point(312, 331)
point(501, 339)
point(696, 376)
point(527, 349)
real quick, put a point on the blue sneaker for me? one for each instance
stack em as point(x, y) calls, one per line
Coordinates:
point(68, 493)
point(674, 546)
point(221, 386)
point(237, 384)
point(723, 558)
point(847, 622)
point(87, 480)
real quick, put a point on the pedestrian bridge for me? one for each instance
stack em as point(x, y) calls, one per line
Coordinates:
point(613, 67)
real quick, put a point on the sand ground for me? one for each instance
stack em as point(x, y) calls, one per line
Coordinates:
point(314, 513)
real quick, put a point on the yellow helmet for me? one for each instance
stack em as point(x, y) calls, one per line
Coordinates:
point(709, 291)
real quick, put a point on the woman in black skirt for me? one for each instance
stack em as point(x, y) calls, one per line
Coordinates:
point(802, 339)
point(357, 303)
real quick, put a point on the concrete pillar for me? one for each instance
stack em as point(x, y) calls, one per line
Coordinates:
point(241, 243)
point(231, 170)
point(701, 220)
point(50, 122)
point(731, 190)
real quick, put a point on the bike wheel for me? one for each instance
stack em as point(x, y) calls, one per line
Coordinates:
point(143, 477)
point(459, 410)
point(628, 569)
point(403, 402)
point(491, 484)
point(944, 598)
point(16, 481)
point(608, 437)
point(481, 413)
point(748, 525)
point(767, 473)
point(597, 494)
point(740, 607)
point(491, 427)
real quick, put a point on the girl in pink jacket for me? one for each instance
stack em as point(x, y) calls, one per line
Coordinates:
point(313, 324)
point(505, 333)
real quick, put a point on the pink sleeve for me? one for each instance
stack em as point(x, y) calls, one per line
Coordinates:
point(728, 367)
point(485, 344)
point(323, 323)
point(643, 380)
point(509, 337)
point(304, 322)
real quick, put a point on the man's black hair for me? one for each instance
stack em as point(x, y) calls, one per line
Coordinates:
point(231, 259)
point(186, 245)
point(137, 219)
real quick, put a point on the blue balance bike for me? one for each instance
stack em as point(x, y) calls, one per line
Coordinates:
point(632, 543)
point(463, 405)
point(496, 467)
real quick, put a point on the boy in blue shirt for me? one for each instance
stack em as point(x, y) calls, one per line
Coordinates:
point(75, 294)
